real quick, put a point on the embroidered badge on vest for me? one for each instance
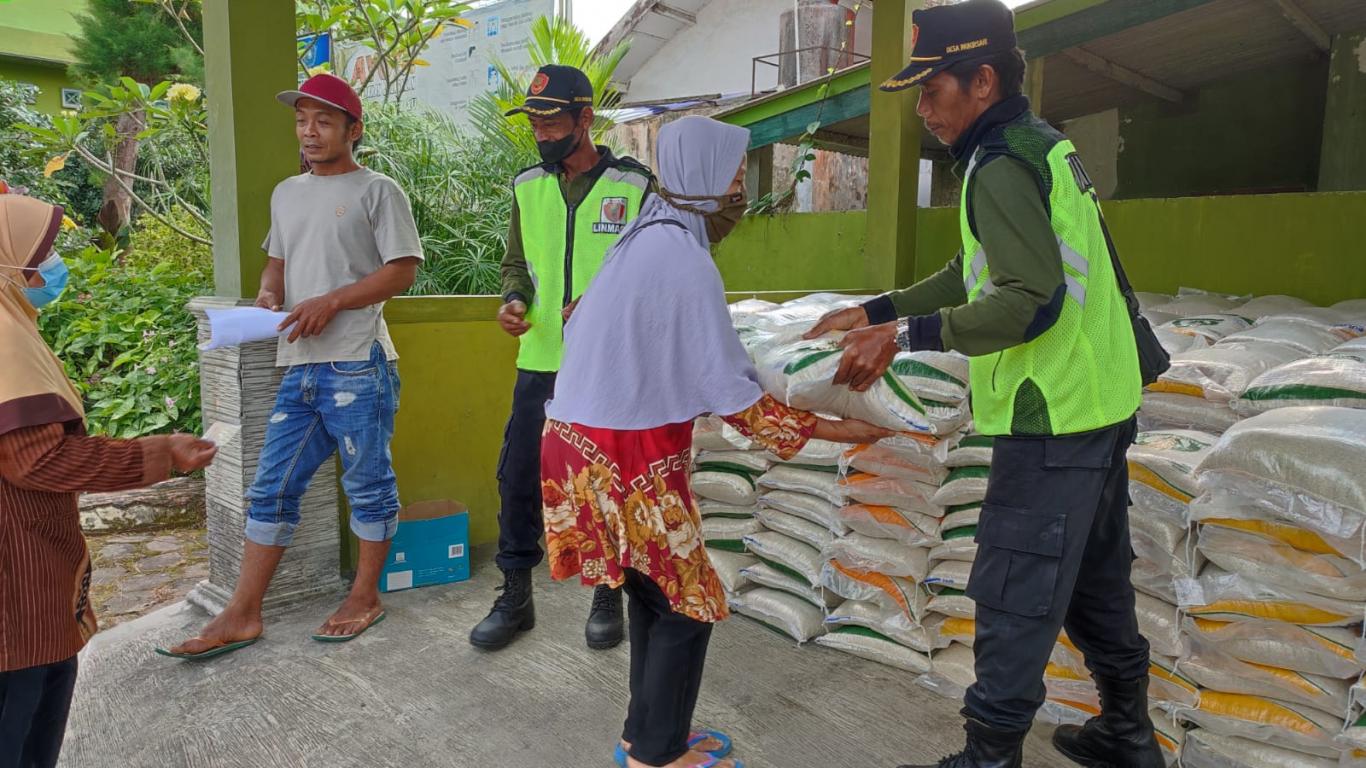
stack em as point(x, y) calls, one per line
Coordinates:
point(611, 217)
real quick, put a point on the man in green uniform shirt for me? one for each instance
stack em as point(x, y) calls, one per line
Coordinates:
point(1034, 300)
point(567, 211)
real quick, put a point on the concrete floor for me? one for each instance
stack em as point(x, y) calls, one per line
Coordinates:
point(412, 693)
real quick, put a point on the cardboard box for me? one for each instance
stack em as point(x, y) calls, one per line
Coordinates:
point(432, 546)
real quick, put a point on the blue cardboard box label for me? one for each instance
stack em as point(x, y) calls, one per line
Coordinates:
point(430, 547)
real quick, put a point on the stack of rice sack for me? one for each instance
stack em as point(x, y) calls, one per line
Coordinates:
point(1162, 483)
point(1274, 620)
point(1336, 377)
point(726, 469)
point(797, 516)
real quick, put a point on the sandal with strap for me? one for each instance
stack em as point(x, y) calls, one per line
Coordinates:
point(694, 738)
point(209, 653)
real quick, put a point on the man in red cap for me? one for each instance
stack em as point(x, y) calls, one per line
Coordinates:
point(342, 242)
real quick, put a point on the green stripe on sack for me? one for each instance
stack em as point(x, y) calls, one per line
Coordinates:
point(913, 367)
point(963, 507)
point(727, 545)
point(950, 592)
point(965, 473)
point(966, 532)
point(1303, 392)
point(855, 629)
point(807, 361)
point(977, 441)
point(784, 570)
point(738, 473)
point(729, 468)
point(816, 468)
point(902, 393)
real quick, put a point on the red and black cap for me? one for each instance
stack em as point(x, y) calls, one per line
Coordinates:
point(555, 89)
point(330, 90)
point(950, 34)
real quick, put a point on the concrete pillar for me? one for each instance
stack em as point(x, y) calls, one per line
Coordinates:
point(249, 56)
point(1033, 85)
point(1342, 164)
point(893, 153)
point(759, 172)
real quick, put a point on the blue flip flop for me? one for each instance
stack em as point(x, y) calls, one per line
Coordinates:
point(694, 738)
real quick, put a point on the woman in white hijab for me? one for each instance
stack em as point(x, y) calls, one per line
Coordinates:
point(649, 348)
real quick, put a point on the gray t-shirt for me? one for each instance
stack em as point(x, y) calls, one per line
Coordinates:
point(332, 231)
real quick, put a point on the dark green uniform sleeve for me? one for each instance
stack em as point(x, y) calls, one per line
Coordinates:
point(1023, 261)
point(516, 275)
point(942, 289)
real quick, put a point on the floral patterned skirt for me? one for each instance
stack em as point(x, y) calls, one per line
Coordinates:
point(617, 499)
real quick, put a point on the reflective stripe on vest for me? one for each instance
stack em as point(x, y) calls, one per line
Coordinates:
point(1082, 373)
point(558, 238)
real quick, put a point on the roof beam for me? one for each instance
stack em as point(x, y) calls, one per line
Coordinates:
point(1120, 74)
point(1305, 24)
point(676, 14)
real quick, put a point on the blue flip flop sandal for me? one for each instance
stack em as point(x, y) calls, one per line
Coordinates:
point(694, 738)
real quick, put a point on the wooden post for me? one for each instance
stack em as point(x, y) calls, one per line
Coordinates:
point(1342, 164)
point(894, 153)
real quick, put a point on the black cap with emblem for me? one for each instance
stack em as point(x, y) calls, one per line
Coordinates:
point(951, 34)
point(555, 89)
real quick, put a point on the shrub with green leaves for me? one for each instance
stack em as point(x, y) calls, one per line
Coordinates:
point(128, 342)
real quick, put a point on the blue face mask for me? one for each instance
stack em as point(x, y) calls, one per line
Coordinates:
point(55, 275)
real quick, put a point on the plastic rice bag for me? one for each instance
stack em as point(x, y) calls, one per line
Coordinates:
point(892, 623)
point(1207, 749)
point(952, 574)
point(753, 463)
point(1306, 338)
point(1327, 651)
point(913, 529)
point(1221, 373)
point(1272, 562)
point(765, 575)
point(893, 464)
point(1164, 411)
point(890, 492)
point(890, 592)
point(799, 528)
point(811, 508)
point(726, 486)
point(1272, 721)
point(800, 559)
point(813, 482)
point(884, 556)
point(1214, 669)
point(1224, 596)
point(1211, 328)
point(971, 451)
point(1335, 378)
point(1162, 466)
point(728, 566)
point(873, 646)
point(964, 485)
point(787, 613)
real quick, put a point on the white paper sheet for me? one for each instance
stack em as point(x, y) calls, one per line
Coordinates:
point(221, 434)
point(239, 325)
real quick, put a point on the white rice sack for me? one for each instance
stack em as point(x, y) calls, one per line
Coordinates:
point(1159, 623)
point(954, 629)
point(1198, 304)
point(1271, 305)
point(726, 486)
point(1148, 299)
point(1165, 410)
point(716, 509)
point(960, 545)
point(1211, 328)
point(1260, 559)
point(1151, 578)
point(1286, 724)
point(1158, 319)
point(1306, 462)
point(801, 374)
point(1168, 683)
point(890, 492)
point(870, 645)
point(884, 556)
point(1175, 342)
point(1353, 347)
point(891, 623)
point(1162, 466)
point(971, 451)
point(712, 433)
point(813, 482)
point(779, 610)
point(954, 664)
point(1335, 378)
point(1327, 651)
point(1224, 596)
point(1171, 737)
point(890, 463)
point(913, 529)
point(1155, 532)
point(1324, 317)
point(964, 516)
point(952, 574)
point(1307, 338)
point(1211, 668)
point(764, 575)
point(754, 463)
point(819, 453)
point(964, 485)
point(952, 603)
point(1221, 373)
point(799, 528)
point(920, 448)
point(890, 592)
point(728, 566)
point(811, 508)
point(1352, 306)
point(718, 531)
point(779, 550)
point(1230, 510)
point(1207, 749)
point(934, 376)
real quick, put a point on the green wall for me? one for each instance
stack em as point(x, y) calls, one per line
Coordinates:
point(49, 79)
point(1256, 133)
point(814, 251)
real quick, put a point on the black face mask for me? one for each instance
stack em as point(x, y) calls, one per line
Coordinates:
point(556, 151)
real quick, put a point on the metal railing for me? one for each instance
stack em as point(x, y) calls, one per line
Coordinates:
point(844, 59)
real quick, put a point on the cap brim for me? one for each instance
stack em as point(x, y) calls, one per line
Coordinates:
point(915, 74)
point(291, 98)
point(539, 110)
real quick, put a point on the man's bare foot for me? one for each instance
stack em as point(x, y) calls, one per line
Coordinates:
point(690, 758)
point(230, 626)
point(352, 616)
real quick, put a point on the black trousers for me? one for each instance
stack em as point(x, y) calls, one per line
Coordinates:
point(520, 524)
point(668, 651)
point(34, 703)
point(1053, 551)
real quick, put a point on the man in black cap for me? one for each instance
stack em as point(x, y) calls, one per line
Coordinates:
point(1037, 301)
point(566, 213)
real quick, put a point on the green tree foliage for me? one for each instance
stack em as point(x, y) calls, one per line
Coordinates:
point(126, 38)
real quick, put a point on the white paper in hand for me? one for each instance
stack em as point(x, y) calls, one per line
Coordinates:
point(239, 325)
point(221, 434)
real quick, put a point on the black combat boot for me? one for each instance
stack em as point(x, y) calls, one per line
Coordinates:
point(512, 612)
point(605, 622)
point(1122, 736)
point(987, 747)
